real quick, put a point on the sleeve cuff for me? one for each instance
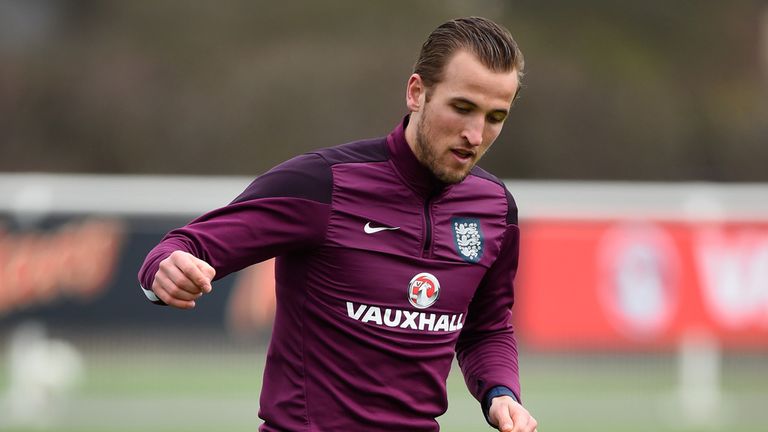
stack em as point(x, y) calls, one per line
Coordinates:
point(152, 296)
point(496, 392)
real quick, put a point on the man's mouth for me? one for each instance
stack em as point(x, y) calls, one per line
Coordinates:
point(463, 155)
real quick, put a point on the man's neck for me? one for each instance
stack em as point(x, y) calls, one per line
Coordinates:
point(410, 135)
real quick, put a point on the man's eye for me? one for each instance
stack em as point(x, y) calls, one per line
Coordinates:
point(496, 118)
point(461, 109)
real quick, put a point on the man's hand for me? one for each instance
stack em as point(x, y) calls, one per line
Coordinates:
point(510, 416)
point(182, 278)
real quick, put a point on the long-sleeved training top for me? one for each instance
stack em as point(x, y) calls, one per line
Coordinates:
point(381, 273)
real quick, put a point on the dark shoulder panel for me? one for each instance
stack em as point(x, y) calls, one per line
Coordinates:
point(306, 176)
point(309, 175)
point(512, 212)
point(370, 150)
point(511, 204)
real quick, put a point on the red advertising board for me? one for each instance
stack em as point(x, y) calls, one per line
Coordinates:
point(615, 283)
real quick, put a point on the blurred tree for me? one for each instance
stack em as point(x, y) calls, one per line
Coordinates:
point(614, 90)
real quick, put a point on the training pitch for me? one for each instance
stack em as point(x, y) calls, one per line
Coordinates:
point(177, 387)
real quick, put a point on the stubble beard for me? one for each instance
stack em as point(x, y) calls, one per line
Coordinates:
point(428, 156)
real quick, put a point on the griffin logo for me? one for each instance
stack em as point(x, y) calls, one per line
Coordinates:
point(423, 290)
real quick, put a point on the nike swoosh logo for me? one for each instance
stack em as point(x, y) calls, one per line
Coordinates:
point(373, 230)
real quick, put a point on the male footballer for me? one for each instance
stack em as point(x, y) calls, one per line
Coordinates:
point(392, 254)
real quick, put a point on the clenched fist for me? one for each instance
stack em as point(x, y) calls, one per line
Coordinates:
point(181, 279)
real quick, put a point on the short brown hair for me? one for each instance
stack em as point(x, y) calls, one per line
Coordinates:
point(491, 43)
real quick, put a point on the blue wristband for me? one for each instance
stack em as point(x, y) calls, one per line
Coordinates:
point(496, 392)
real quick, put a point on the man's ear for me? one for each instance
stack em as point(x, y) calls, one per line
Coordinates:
point(415, 93)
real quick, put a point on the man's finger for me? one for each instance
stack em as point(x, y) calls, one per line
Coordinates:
point(177, 280)
point(523, 421)
point(507, 427)
point(177, 286)
point(209, 272)
point(193, 272)
point(168, 299)
point(502, 418)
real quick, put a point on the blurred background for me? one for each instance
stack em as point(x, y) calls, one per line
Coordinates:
point(637, 154)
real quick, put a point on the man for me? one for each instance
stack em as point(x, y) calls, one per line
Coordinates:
point(391, 254)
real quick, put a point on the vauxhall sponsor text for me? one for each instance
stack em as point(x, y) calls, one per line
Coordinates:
point(405, 319)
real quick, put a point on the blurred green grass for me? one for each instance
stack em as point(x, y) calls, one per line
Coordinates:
point(196, 390)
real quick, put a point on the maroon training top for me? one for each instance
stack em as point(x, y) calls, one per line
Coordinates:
point(382, 272)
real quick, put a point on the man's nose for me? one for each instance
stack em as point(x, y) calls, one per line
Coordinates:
point(473, 132)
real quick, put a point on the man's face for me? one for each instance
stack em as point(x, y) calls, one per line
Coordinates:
point(462, 118)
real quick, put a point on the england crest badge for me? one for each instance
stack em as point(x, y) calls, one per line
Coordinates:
point(468, 237)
